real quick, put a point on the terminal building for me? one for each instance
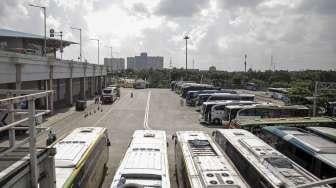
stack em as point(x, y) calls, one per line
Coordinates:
point(23, 66)
point(114, 64)
point(145, 62)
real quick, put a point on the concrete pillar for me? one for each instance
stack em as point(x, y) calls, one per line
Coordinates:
point(51, 99)
point(70, 92)
point(84, 82)
point(49, 179)
point(18, 82)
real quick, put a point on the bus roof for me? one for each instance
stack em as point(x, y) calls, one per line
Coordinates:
point(313, 144)
point(206, 163)
point(309, 121)
point(270, 163)
point(328, 132)
point(72, 149)
point(146, 158)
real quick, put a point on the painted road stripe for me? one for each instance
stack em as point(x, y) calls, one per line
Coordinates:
point(146, 126)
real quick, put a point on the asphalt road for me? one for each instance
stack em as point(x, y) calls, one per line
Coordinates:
point(149, 109)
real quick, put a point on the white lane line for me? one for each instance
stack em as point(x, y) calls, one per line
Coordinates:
point(145, 124)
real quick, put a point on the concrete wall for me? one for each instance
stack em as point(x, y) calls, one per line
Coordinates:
point(70, 80)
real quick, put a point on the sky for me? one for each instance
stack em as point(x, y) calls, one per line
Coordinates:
point(280, 34)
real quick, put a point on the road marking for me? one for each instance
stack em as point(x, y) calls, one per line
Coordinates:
point(145, 124)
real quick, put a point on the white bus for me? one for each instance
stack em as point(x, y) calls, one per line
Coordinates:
point(201, 164)
point(145, 163)
point(81, 158)
point(260, 164)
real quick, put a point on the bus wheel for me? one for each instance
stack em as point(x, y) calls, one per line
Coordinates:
point(217, 121)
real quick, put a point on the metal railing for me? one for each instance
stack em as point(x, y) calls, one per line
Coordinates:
point(29, 96)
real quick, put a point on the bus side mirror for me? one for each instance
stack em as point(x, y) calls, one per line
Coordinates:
point(213, 134)
point(108, 143)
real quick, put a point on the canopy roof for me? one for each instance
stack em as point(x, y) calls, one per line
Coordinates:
point(51, 42)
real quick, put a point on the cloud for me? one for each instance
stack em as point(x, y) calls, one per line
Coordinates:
point(180, 8)
point(298, 34)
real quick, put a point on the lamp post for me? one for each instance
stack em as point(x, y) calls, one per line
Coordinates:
point(80, 41)
point(245, 56)
point(45, 27)
point(186, 37)
point(98, 48)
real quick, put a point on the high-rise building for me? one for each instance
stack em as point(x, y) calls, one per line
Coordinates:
point(145, 62)
point(114, 64)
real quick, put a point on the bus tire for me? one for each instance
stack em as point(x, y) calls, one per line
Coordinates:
point(217, 121)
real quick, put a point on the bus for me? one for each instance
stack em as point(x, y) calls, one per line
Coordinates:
point(223, 96)
point(81, 158)
point(261, 165)
point(209, 115)
point(145, 163)
point(311, 151)
point(192, 95)
point(228, 96)
point(255, 125)
point(195, 87)
point(217, 111)
point(233, 114)
point(273, 111)
point(201, 164)
point(326, 132)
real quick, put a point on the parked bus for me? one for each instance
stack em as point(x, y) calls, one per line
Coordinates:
point(223, 96)
point(210, 115)
point(192, 95)
point(217, 111)
point(325, 132)
point(254, 125)
point(81, 158)
point(228, 96)
point(232, 114)
point(195, 87)
point(260, 164)
point(311, 151)
point(145, 163)
point(273, 111)
point(201, 164)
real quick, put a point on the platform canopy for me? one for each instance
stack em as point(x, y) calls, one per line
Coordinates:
point(14, 40)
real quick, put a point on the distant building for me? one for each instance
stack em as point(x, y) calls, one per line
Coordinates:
point(145, 62)
point(114, 64)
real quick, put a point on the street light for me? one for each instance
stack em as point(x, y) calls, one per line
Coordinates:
point(80, 41)
point(245, 61)
point(186, 37)
point(98, 48)
point(45, 27)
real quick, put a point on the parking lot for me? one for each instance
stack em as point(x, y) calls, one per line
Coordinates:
point(148, 109)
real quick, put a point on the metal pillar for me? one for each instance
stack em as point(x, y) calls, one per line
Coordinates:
point(315, 98)
point(70, 92)
point(11, 114)
point(32, 144)
point(51, 88)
